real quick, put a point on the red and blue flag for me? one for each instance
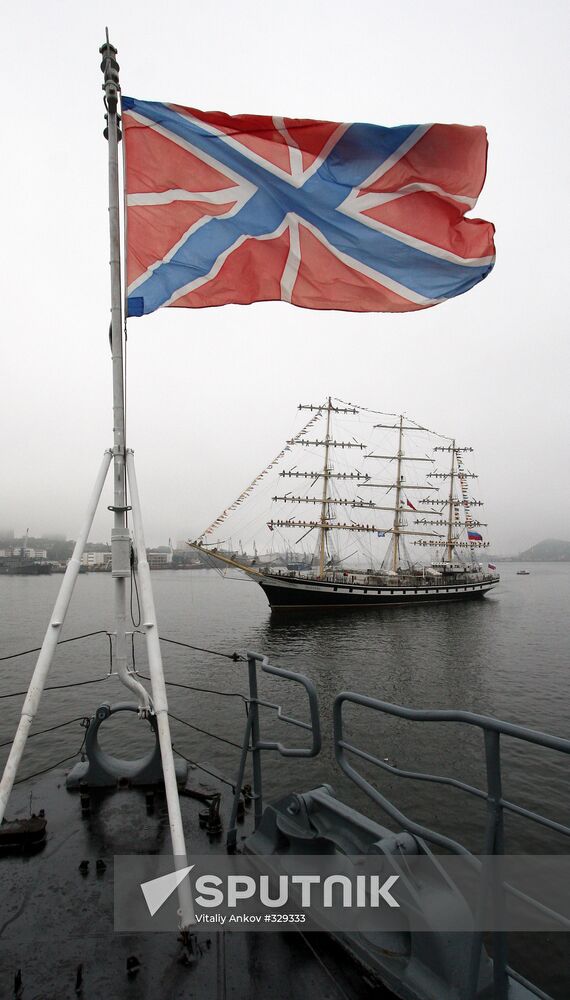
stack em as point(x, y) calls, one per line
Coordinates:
point(474, 536)
point(324, 215)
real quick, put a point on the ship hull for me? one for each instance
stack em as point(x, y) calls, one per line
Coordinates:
point(25, 569)
point(286, 593)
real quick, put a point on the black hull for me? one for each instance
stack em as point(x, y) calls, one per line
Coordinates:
point(288, 593)
point(25, 569)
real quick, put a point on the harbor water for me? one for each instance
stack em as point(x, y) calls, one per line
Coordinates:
point(505, 656)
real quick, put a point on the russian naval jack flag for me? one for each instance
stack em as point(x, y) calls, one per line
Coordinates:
point(243, 209)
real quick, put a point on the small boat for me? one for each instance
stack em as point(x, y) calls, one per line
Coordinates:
point(523, 572)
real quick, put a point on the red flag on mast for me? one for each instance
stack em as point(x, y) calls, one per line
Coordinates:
point(238, 209)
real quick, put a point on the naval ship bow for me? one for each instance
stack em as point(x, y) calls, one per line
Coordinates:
point(59, 932)
point(350, 501)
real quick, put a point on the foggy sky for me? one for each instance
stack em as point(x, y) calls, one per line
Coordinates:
point(212, 394)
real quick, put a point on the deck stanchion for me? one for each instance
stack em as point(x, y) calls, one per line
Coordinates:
point(255, 740)
point(495, 846)
point(231, 838)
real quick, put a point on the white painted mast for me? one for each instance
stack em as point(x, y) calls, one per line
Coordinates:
point(324, 525)
point(454, 502)
point(397, 512)
point(449, 546)
point(120, 535)
point(121, 543)
point(397, 529)
point(324, 501)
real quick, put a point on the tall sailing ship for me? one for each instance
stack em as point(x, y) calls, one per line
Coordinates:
point(383, 496)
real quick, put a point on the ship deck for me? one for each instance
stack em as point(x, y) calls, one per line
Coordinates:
point(54, 919)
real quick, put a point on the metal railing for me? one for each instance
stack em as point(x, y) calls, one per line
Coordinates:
point(494, 840)
point(253, 743)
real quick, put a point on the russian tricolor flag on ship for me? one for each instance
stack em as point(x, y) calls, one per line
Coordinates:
point(324, 215)
point(474, 536)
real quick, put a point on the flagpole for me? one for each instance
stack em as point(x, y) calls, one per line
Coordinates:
point(120, 537)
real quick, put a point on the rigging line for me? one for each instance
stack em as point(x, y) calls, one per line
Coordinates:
point(40, 732)
point(73, 638)
point(211, 562)
point(299, 540)
point(383, 413)
point(338, 988)
point(51, 767)
point(282, 537)
point(214, 736)
point(201, 767)
point(58, 687)
point(44, 770)
point(244, 495)
point(192, 687)
point(176, 642)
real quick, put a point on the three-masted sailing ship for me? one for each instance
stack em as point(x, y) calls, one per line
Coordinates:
point(440, 522)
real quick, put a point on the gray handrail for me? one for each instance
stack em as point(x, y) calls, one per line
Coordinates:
point(496, 804)
point(314, 726)
point(485, 722)
point(252, 739)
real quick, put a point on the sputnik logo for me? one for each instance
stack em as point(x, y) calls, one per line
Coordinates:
point(214, 891)
point(158, 890)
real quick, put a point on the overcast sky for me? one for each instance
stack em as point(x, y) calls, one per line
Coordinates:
point(212, 394)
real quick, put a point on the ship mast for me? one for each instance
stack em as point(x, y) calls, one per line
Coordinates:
point(327, 521)
point(396, 527)
point(120, 534)
point(449, 546)
point(325, 497)
point(453, 522)
point(323, 525)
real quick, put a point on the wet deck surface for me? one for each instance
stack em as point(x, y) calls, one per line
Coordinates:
point(53, 919)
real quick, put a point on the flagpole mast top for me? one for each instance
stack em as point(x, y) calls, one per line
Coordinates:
point(110, 69)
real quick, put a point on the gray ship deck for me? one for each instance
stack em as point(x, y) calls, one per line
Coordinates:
point(53, 919)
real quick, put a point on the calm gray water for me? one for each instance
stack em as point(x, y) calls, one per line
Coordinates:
point(504, 656)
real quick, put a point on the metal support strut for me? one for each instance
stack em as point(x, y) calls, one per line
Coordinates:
point(160, 702)
point(49, 645)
